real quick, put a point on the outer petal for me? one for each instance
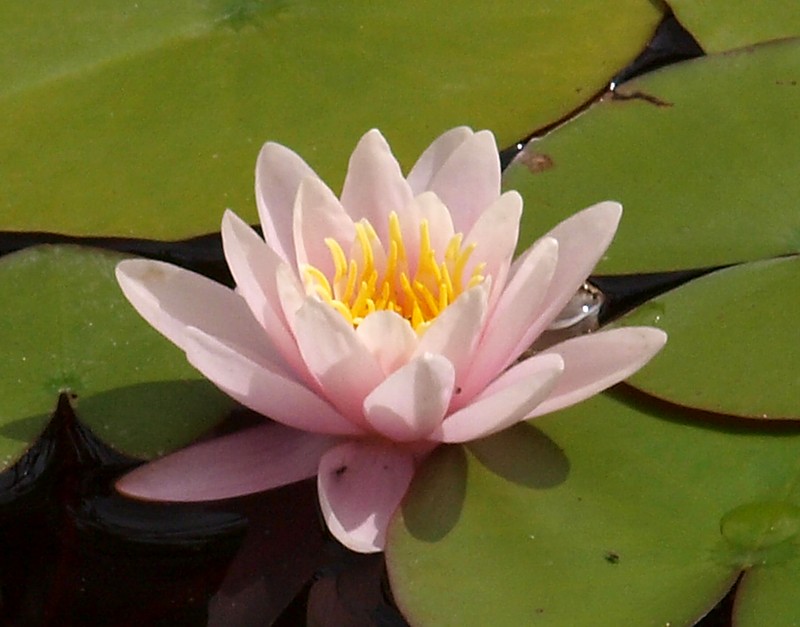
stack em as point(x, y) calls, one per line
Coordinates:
point(263, 389)
point(435, 155)
point(455, 332)
point(494, 235)
point(360, 486)
point(597, 361)
point(469, 181)
point(389, 337)
point(374, 185)
point(256, 459)
point(254, 266)
point(501, 405)
point(410, 403)
point(318, 214)
point(278, 175)
point(172, 299)
point(337, 358)
point(517, 310)
point(582, 240)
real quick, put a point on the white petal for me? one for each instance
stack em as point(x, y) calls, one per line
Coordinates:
point(340, 362)
point(599, 360)
point(172, 299)
point(279, 172)
point(455, 332)
point(469, 181)
point(435, 155)
point(499, 406)
point(360, 486)
point(374, 185)
point(253, 460)
point(517, 311)
point(318, 214)
point(389, 337)
point(262, 389)
point(410, 403)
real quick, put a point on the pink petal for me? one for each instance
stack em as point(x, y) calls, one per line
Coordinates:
point(318, 214)
point(494, 235)
point(339, 361)
point(360, 486)
point(597, 361)
point(254, 266)
point(172, 299)
point(278, 175)
point(499, 406)
point(435, 155)
point(264, 390)
point(374, 185)
point(411, 402)
point(469, 181)
point(516, 312)
point(290, 293)
point(389, 337)
point(582, 240)
point(455, 332)
point(256, 459)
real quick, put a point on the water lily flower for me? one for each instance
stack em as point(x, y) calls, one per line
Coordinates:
point(373, 327)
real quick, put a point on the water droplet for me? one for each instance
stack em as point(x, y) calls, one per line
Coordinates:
point(761, 525)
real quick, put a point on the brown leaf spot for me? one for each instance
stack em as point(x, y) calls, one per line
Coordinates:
point(535, 161)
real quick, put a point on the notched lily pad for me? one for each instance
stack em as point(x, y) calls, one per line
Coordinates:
point(698, 153)
point(734, 343)
point(147, 118)
point(645, 527)
point(66, 328)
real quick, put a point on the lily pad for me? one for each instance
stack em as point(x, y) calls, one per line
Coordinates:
point(623, 527)
point(65, 328)
point(698, 154)
point(734, 342)
point(720, 25)
point(144, 120)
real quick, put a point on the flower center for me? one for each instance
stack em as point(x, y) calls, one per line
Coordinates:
point(376, 279)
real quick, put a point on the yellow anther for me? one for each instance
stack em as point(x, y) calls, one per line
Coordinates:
point(359, 287)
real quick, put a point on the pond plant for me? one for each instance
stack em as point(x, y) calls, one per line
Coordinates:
point(395, 390)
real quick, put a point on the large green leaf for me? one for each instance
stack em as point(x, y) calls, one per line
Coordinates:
point(66, 328)
point(700, 154)
point(144, 119)
point(725, 24)
point(608, 513)
point(734, 341)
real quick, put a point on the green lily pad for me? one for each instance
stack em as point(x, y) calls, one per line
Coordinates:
point(65, 327)
point(734, 343)
point(769, 593)
point(619, 521)
point(698, 153)
point(720, 25)
point(144, 120)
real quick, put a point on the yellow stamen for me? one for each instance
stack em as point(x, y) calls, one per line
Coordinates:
point(360, 286)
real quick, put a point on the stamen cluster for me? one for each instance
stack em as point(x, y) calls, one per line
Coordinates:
point(375, 279)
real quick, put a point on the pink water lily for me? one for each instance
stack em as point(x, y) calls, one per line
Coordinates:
point(373, 327)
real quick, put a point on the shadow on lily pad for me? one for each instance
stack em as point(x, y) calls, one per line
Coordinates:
point(433, 504)
point(150, 419)
point(524, 455)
